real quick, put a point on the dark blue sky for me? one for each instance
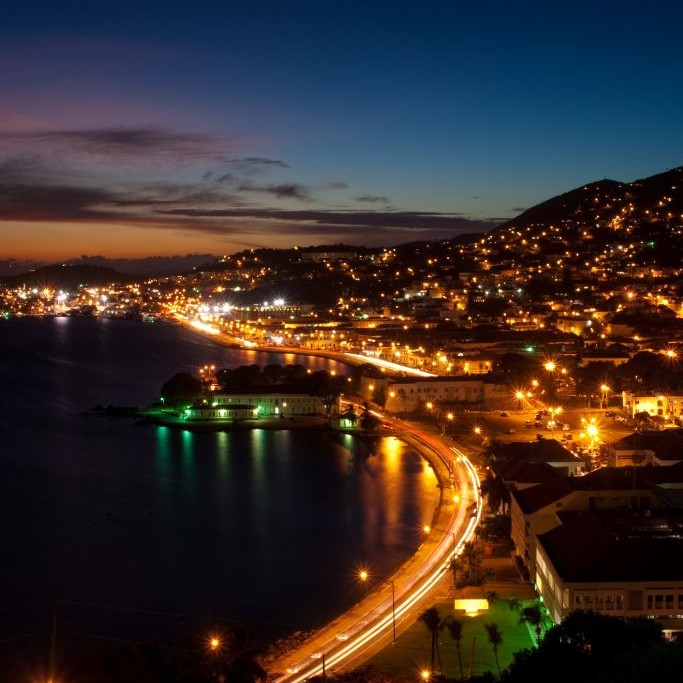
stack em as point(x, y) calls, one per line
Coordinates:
point(132, 128)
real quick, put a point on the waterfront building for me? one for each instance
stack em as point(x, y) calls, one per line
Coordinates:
point(261, 403)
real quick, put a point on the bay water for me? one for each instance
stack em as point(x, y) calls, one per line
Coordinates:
point(148, 532)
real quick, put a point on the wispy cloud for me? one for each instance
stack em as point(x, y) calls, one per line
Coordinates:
point(159, 178)
point(372, 199)
point(126, 146)
point(254, 165)
point(280, 191)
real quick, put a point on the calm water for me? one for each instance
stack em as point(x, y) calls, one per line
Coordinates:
point(148, 531)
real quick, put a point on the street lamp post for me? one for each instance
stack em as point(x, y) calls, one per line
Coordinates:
point(364, 576)
point(605, 395)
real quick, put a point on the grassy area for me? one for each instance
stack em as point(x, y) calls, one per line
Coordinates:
point(412, 650)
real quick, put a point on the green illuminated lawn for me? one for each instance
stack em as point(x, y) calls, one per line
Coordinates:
point(412, 649)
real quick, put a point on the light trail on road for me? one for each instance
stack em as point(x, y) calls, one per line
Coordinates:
point(360, 635)
point(389, 365)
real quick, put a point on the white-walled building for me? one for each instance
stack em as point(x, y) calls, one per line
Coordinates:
point(667, 406)
point(609, 542)
point(260, 404)
point(409, 395)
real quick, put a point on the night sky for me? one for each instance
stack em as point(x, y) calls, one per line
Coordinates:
point(139, 128)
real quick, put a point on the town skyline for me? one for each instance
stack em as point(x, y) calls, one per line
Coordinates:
point(128, 134)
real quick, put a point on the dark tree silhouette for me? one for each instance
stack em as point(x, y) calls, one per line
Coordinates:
point(596, 648)
point(533, 616)
point(496, 639)
point(181, 388)
point(454, 627)
point(432, 620)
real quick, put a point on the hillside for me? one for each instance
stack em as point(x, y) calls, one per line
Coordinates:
point(67, 277)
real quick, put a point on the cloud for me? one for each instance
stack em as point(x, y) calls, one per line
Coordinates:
point(372, 199)
point(518, 209)
point(280, 191)
point(254, 165)
point(409, 221)
point(139, 146)
point(199, 186)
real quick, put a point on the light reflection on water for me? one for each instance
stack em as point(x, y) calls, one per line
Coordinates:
point(264, 526)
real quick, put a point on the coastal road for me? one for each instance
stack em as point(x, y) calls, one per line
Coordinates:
point(397, 600)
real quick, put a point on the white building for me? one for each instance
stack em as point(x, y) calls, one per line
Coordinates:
point(605, 542)
point(408, 395)
point(260, 404)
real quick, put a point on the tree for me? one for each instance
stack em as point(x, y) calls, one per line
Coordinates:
point(181, 388)
point(514, 603)
point(368, 420)
point(495, 491)
point(454, 627)
point(596, 648)
point(496, 639)
point(273, 374)
point(518, 369)
point(533, 616)
point(432, 620)
point(455, 564)
point(472, 557)
point(493, 598)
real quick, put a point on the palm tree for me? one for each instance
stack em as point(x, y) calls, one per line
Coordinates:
point(496, 492)
point(454, 628)
point(532, 615)
point(432, 620)
point(472, 556)
point(514, 603)
point(455, 564)
point(494, 598)
point(496, 639)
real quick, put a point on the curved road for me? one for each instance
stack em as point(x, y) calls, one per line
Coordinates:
point(368, 626)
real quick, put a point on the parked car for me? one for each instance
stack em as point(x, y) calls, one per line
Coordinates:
point(611, 413)
point(528, 423)
point(512, 430)
point(504, 413)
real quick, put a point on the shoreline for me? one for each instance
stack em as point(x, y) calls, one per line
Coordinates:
point(278, 662)
point(229, 341)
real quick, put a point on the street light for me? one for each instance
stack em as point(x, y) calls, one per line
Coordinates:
point(364, 576)
point(605, 389)
point(519, 395)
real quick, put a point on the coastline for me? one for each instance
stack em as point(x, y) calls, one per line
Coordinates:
point(283, 659)
point(100, 456)
point(229, 341)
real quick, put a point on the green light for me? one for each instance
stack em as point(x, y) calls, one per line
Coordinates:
point(529, 349)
